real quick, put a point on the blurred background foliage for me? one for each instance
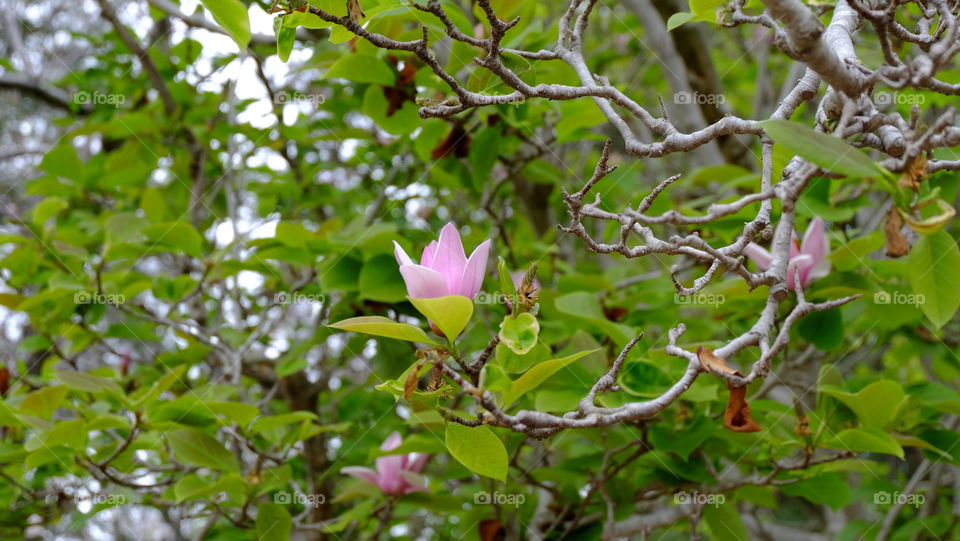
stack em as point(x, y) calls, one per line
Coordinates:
point(175, 221)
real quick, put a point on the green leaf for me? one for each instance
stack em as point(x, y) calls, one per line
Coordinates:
point(539, 374)
point(198, 448)
point(876, 405)
point(725, 523)
point(823, 329)
point(382, 326)
point(237, 412)
point(232, 16)
point(932, 268)
point(286, 36)
point(827, 488)
point(451, 314)
point(177, 237)
point(506, 280)
point(273, 522)
point(678, 19)
point(865, 440)
point(584, 305)
point(362, 68)
point(62, 160)
point(44, 402)
point(823, 150)
point(495, 378)
point(479, 449)
point(72, 434)
point(379, 280)
point(519, 333)
point(516, 364)
point(81, 381)
point(47, 209)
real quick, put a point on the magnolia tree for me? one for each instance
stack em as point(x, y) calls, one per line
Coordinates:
point(480, 269)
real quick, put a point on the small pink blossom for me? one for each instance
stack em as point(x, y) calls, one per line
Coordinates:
point(809, 257)
point(444, 268)
point(395, 474)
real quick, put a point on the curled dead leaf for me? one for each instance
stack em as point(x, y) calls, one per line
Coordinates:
point(737, 415)
point(897, 244)
point(714, 364)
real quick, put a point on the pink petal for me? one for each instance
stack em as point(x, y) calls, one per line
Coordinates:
point(449, 259)
point(816, 243)
point(803, 262)
point(473, 272)
point(794, 245)
point(759, 255)
point(392, 442)
point(360, 472)
point(517, 277)
point(424, 283)
point(390, 470)
point(818, 270)
point(401, 255)
point(416, 462)
point(426, 259)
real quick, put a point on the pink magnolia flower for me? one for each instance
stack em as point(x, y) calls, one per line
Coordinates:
point(395, 474)
point(444, 268)
point(809, 257)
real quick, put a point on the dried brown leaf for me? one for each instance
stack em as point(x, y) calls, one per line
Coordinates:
point(737, 415)
point(897, 244)
point(714, 364)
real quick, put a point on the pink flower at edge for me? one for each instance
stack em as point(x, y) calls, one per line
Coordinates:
point(810, 257)
point(444, 268)
point(394, 474)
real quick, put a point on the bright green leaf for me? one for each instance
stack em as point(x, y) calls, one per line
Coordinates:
point(932, 268)
point(520, 332)
point(382, 326)
point(232, 16)
point(479, 449)
point(451, 314)
point(823, 150)
point(197, 448)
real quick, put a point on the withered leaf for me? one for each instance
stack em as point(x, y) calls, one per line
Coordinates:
point(410, 385)
point(914, 173)
point(897, 244)
point(457, 143)
point(354, 10)
point(714, 364)
point(737, 415)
